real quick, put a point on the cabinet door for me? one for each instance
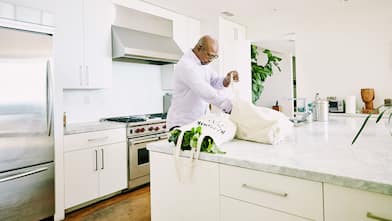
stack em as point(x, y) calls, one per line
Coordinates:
point(113, 168)
point(234, 210)
point(345, 204)
point(68, 43)
point(190, 195)
point(80, 176)
point(98, 16)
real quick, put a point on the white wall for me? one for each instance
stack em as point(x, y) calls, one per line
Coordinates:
point(136, 90)
point(234, 51)
point(341, 60)
point(341, 49)
point(279, 87)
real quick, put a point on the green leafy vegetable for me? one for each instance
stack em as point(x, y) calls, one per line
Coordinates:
point(190, 139)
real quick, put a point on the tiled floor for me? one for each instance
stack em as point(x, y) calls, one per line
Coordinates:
point(132, 206)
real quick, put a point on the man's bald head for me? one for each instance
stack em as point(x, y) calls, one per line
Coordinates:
point(206, 49)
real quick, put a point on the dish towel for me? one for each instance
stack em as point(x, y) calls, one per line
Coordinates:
point(258, 124)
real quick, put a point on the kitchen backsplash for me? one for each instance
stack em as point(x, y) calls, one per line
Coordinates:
point(136, 89)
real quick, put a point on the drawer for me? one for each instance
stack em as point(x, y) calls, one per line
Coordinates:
point(93, 139)
point(234, 210)
point(346, 204)
point(291, 195)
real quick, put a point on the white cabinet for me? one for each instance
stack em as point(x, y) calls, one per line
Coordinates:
point(345, 204)
point(234, 210)
point(113, 171)
point(81, 176)
point(177, 197)
point(83, 43)
point(212, 191)
point(287, 194)
point(186, 32)
point(95, 165)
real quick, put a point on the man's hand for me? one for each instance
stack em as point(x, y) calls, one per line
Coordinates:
point(231, 74)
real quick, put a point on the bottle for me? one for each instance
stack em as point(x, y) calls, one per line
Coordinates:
point(314, 107)
point(309, 117)
point(65, 119)
point(320, 109)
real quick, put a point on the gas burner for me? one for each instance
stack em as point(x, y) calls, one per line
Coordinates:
point(158, 115)
point(129, 119)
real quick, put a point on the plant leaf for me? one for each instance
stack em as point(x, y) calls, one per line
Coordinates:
point(389, 119)
point(380, 116)
point(360, 130)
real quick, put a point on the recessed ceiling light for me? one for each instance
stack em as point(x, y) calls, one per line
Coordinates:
point(228, 13)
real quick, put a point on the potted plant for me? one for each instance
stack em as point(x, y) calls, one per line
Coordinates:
point(261, 72)
point(387, 109)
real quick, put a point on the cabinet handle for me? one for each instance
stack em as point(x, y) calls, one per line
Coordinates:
point(87, 76)
point(371, 216)
point(103, 161)
point(96, 160)
point(265, 191)
point(98, 139)
point(17, 176)
point(80, 75)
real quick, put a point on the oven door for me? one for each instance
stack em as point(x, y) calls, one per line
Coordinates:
point(139, 158)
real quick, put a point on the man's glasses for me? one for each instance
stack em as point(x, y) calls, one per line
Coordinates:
point(212, 56)
point(209, 55)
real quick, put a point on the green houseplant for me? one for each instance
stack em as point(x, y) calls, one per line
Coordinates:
point(260, 73)
point(387, 109)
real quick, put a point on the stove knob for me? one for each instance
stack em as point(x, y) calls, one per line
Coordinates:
point(156, 128)
point(150, 128)
point(164, 126)
point(142, 130)
point(137, 130)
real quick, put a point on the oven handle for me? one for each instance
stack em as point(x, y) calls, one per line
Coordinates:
point(144, 140)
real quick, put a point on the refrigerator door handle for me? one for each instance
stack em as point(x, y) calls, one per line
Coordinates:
point(17, 176)
point(49, 98)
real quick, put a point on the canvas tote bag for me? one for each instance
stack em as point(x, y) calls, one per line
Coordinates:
point(219, 128)
point(258, 124)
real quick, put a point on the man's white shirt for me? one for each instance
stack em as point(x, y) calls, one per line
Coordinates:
point(195, 86)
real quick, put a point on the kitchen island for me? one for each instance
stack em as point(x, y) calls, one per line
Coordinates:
point(315, 174)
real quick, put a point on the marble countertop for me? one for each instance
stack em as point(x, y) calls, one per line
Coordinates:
point(86, 127)
point(317, 151)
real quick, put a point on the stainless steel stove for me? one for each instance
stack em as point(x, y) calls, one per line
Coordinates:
point(141, 130)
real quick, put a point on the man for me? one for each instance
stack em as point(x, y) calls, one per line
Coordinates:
point(196, 85)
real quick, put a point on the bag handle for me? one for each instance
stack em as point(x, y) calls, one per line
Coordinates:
point(194, 154)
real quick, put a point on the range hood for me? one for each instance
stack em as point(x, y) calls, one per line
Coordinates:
point(143, 47)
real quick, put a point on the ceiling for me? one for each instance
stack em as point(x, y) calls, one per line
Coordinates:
point(285, 15)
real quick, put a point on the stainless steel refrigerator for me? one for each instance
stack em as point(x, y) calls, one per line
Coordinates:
point(26, 126)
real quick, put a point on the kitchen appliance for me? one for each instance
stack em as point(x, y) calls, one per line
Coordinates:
point(336, 106)
point(148, 42)
point(350, 104)
point(320, 109)
point(141, 130)
point(26, 125)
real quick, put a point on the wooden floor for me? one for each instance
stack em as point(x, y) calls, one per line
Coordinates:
point(131, 206)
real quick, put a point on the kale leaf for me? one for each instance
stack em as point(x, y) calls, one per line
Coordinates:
point(190, 140)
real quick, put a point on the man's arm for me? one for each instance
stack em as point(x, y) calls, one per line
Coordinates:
point(205, 90)
point(220, 82)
